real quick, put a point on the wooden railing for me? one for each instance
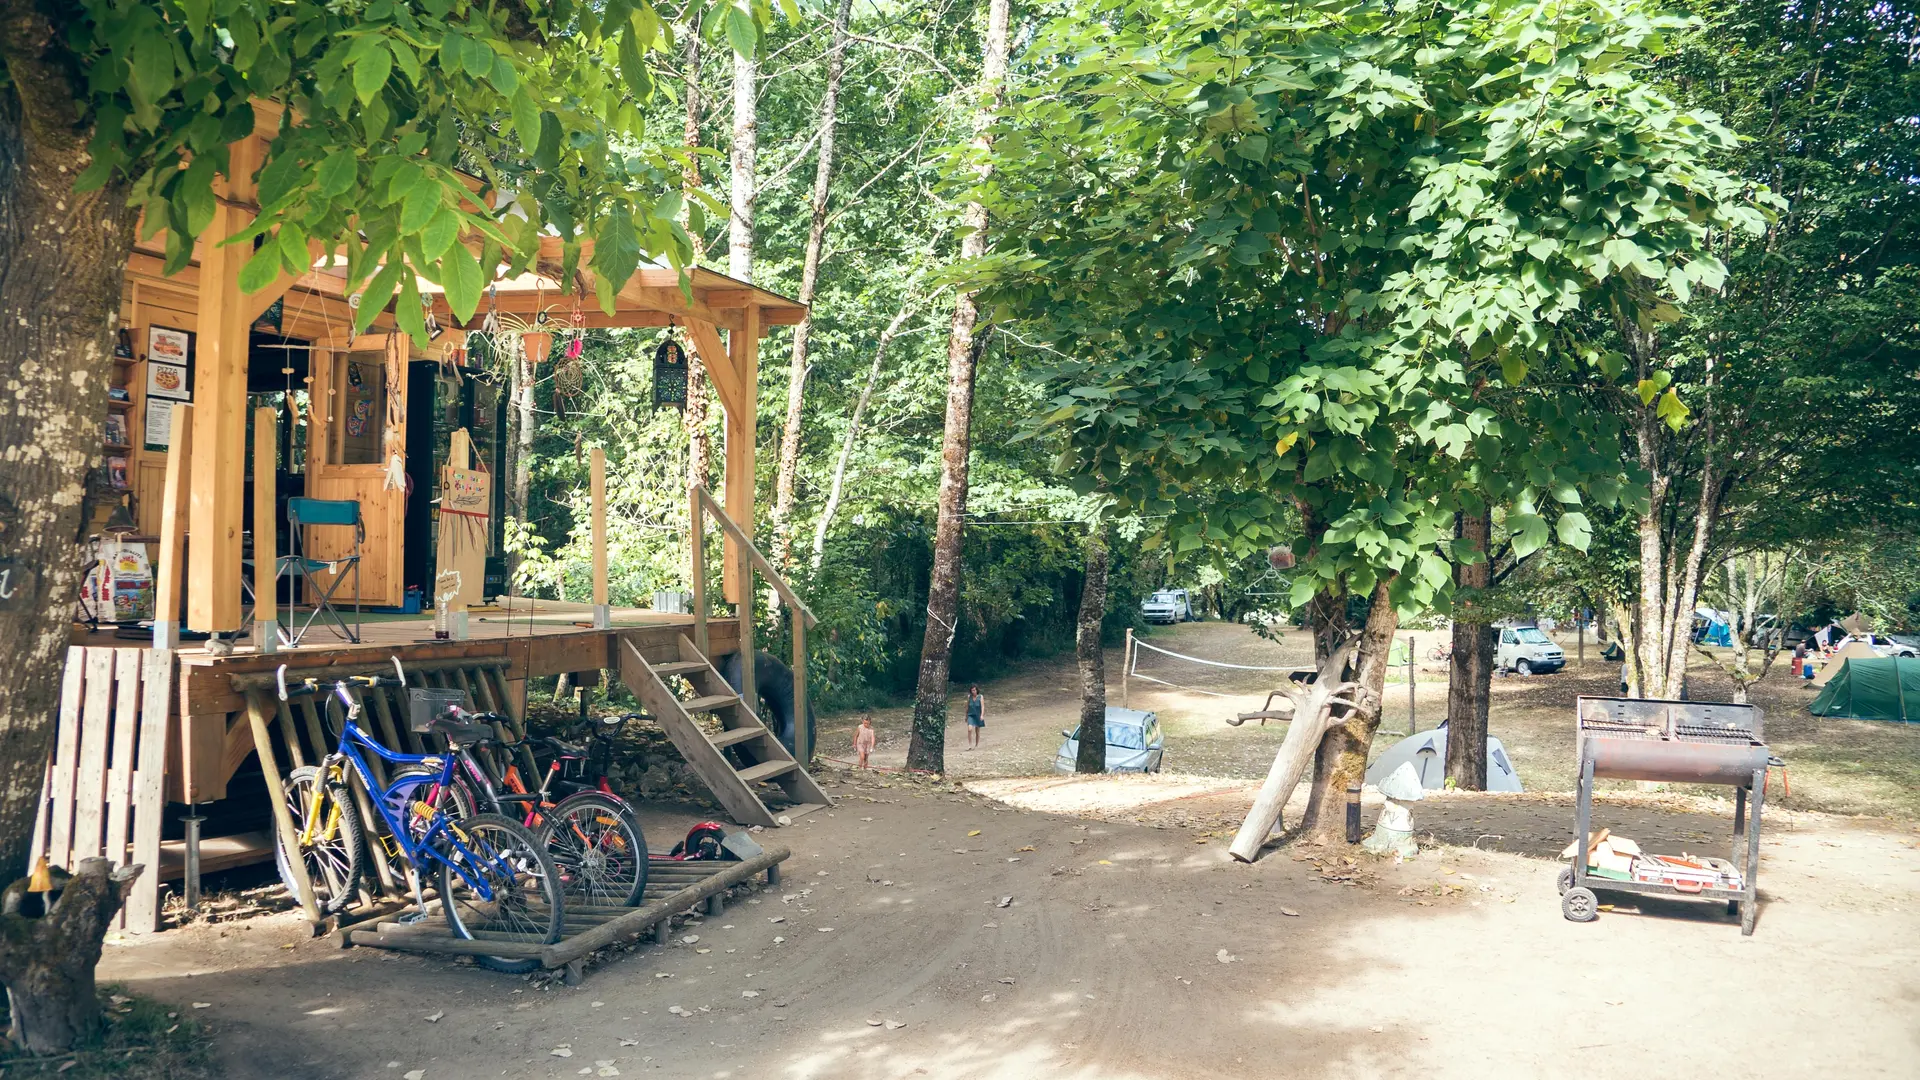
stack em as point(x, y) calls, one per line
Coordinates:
point(751, 560)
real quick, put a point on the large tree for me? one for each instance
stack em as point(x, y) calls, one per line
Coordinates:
point(1795, 379)
point(1292, 254)
point(117, 111)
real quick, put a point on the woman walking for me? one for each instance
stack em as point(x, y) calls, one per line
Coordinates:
point(976, 717)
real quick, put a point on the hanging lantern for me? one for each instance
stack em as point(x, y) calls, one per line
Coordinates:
point(670, 375)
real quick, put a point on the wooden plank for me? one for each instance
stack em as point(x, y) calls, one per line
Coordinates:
point(760, 563)
point(692, 743)
point(607, 933)
point(126, 724)
point(719, 367)
point(697, 549)
point(277, 795)
point(798, 783)
point(90, 780)
point(284, 715)
point(143, 904)
point(173, 532)
point(266, 532)
point(802, 734)
point(318, 744)
point(597, 491)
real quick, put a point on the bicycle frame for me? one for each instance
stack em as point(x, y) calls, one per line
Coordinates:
point(440, 828)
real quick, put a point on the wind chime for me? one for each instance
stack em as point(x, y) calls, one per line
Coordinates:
point(670, 373)
point(568, 377)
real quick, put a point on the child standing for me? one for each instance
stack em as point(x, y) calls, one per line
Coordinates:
point(863, 740)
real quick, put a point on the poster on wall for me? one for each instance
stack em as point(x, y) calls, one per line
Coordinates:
point(158, 430)
point(169, 363)
point(466, 510)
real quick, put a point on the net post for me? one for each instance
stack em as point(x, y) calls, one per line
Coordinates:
point(1126, 670)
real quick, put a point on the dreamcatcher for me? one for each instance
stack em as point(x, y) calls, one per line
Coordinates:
point(568, 377)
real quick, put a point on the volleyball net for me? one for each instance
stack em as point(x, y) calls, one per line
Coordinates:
point(1201, 675)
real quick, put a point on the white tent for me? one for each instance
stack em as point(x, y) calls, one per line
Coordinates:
point(1426, 751)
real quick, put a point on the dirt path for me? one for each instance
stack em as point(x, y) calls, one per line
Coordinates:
point(1107, 963)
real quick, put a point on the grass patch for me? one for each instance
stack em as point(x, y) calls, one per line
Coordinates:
point(142, 1040)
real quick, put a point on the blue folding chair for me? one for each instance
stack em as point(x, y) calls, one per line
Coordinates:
point(302, 513)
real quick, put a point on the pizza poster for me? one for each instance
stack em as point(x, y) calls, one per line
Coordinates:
point(169, 363)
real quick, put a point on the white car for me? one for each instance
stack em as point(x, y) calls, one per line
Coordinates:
point(1167, 606)
point(1134, 743)
point(1881, 644)
point(1525, 650)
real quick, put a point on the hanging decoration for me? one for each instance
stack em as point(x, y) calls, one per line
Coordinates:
point(670, 373)
point(568, 378)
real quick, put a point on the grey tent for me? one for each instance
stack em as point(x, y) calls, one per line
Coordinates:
point(1426, 751)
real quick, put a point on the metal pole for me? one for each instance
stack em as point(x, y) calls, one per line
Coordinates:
point(1412, 670)
point(192, 883)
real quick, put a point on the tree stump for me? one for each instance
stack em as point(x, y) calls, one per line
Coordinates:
point(47, 956)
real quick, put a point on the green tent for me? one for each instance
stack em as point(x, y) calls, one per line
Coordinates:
point(1873, 688)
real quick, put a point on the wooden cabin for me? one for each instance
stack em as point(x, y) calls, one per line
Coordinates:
point(282, 400)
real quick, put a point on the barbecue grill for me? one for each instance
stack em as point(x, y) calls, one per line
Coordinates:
point(1689, 742)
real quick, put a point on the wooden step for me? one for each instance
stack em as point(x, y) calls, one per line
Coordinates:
point(767, 770)
point(737, 735)
point(711, 704)
point(679, 667)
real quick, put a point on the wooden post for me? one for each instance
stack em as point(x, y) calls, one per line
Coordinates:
point(802, 735)
point(173, 531)
point(1580, 635)
point(266, 533)
point(749, 689)
point(220, 389)
point(1413, 669)
point(743, 356)
point(597, 486)
point(277, 792)
point(1126, 670)
point(697, 548)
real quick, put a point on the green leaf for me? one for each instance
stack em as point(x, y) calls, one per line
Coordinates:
point(371, 67)
point(440, 234)
point(477, 58)
point(1673, 410)
point(261, 270)
point(421, 204)
point(504, 78)
point(741, 33)
point(526, 119)
point(1529, 533)
point(152, 66)
point(337, 173)
point(1572, 529)
point(633, 68)
point(462, 277)
point(378, 292)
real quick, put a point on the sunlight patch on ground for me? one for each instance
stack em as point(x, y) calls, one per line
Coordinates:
point(1102, 794)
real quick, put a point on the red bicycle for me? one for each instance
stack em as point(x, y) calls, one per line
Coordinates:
point(591, 832)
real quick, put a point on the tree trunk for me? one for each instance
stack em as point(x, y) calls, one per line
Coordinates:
point(524, 425)
point(62, 260)
point(698, 451)
point(853, 432)
point(1092, 658)
point(1342, 757)
point(47, 959)
point(783, 492)
point(1471, 684)
point(744, 158)
point(927, 749)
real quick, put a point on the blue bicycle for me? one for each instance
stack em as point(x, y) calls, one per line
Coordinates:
point(495, 880)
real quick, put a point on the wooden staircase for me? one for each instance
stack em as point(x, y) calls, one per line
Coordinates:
point(740, 730)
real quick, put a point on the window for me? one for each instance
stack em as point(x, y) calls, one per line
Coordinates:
point(357, 411)
point(1128, 738)
point(1529, 636)
point(1507, 638)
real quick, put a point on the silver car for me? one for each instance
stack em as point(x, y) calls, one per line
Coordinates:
point(1134, 743)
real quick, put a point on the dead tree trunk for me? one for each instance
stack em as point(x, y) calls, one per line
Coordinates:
point(927, 749)
point(62, 259)
point(744, 157)
point(1471, 684)
point(1092, 658)
point(47, 956)
point(783, 490)
point(1312, 716)
point(1342, 758)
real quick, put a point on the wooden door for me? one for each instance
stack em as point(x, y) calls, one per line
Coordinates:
point(355, 435)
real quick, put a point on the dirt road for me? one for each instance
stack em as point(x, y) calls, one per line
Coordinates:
point(1126, 952)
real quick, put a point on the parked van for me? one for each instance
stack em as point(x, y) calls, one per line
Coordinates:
point(1527, 650)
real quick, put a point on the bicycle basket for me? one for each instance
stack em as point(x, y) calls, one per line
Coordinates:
point(426, 702)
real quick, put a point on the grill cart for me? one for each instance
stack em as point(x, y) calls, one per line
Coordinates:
point(1690, 742)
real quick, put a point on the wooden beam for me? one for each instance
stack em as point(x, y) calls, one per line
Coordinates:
point(266, 532)
point(220, 422)
point(597, 485)
point(718, 365)
point(743, 351)
point(173, 531)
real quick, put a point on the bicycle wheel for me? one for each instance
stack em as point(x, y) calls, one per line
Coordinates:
point(525, 903)
point(331, 851)
point(598, 848)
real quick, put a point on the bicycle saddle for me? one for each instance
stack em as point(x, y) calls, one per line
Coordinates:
point(458, 732)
